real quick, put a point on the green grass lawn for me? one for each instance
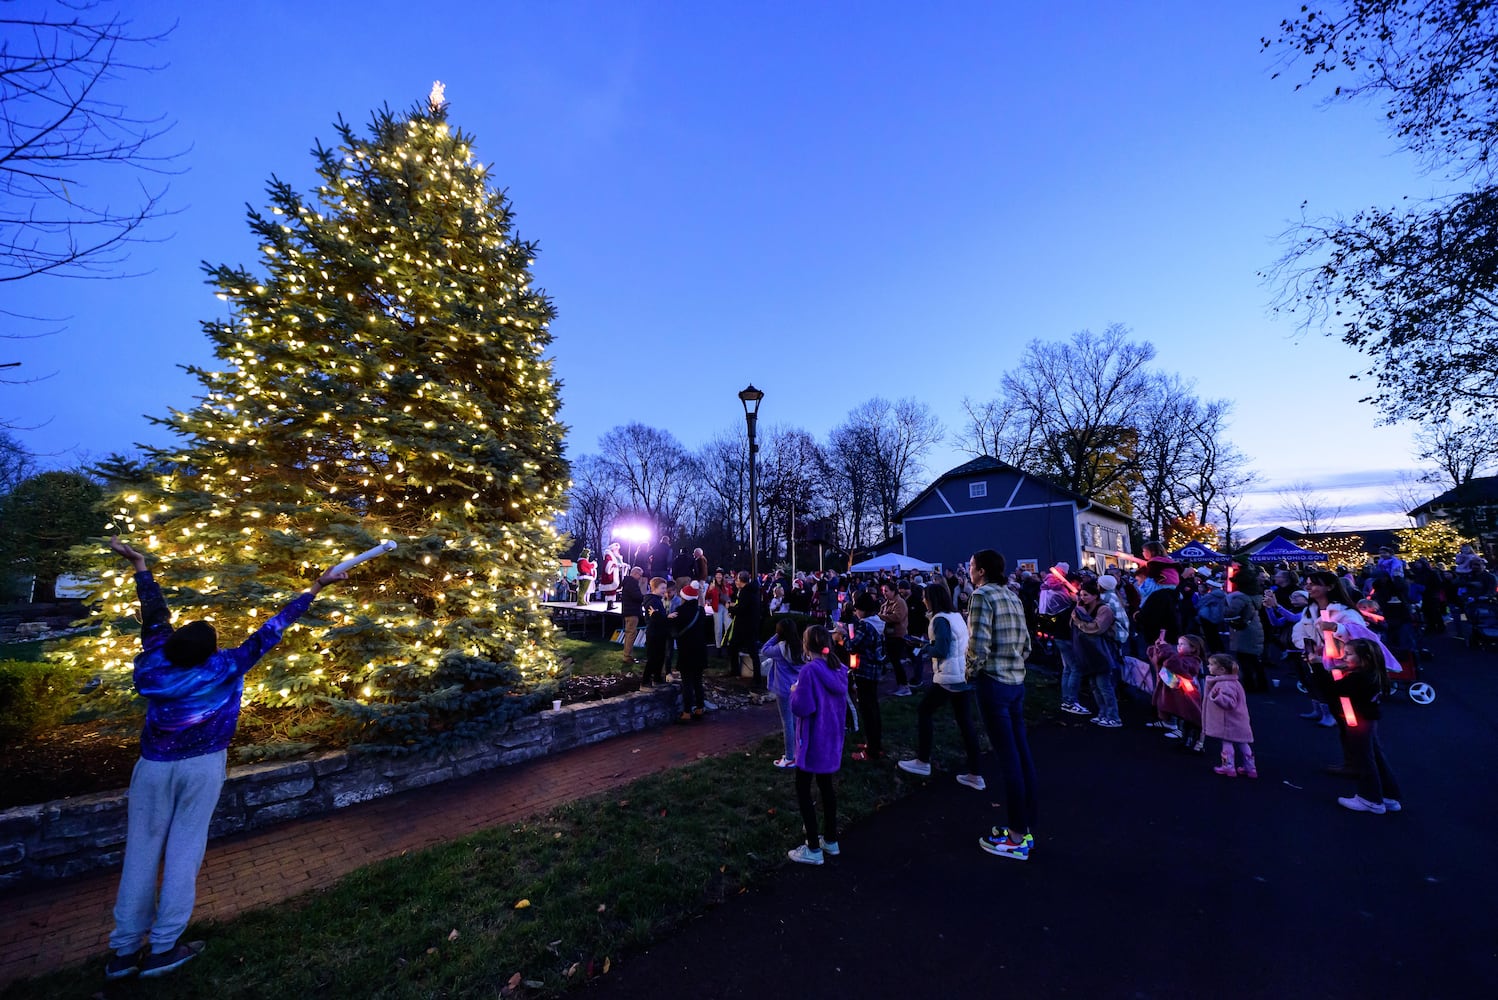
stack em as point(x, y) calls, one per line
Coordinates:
point(603, 876)
point(593, 657)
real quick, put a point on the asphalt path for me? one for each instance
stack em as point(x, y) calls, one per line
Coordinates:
point(1151, 877)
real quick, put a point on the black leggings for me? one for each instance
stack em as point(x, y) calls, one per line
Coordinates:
point(962, 711)
point(809, 811)
point(868, 711)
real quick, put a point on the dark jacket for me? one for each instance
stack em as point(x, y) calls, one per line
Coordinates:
point(691, 626)
point(631, 597)
point(746, 614)
point(656, 624)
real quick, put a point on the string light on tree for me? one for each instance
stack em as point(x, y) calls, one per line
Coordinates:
point(382, 378)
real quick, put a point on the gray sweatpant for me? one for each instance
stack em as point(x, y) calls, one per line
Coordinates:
point(171, 803)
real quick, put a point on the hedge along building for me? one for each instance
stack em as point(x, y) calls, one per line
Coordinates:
point(989, 504)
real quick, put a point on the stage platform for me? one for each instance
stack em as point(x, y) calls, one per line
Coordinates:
point(581, 619)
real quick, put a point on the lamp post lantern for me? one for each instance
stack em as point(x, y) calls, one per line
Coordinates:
point(751, 397)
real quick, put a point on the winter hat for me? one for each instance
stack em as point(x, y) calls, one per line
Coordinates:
point(1303, 595)
point(690, 591)
point(1203, 571)
point(1064, 567)
point(1216, 584)
point(191, 644)
point(1107, 583)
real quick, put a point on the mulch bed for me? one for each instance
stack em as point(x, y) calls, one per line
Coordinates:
point(98, 756)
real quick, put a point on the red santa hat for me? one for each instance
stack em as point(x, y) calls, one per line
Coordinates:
point(690, 591)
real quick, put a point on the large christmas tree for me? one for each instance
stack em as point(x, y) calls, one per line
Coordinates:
point(383, 378)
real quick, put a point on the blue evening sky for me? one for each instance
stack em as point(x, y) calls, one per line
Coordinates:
point(831, 200)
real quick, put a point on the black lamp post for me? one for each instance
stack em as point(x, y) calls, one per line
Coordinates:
point(750, 397)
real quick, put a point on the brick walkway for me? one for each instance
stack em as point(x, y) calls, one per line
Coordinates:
point(63, 923)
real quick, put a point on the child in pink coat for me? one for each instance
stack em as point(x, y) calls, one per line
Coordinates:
point(1225, 717)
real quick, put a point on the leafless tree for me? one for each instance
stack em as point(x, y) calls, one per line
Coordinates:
point(1072, 402)
point(1310, 510)
point(790, 465)
point(654, 470)
point(1414, 287)
point(1227, 502)
point(593, 501)
point(997, 430)
point(1459, 449)
point(64, 69)
point(897, 437)
point(848, 483)
point(723, 472)
point(1405, 493)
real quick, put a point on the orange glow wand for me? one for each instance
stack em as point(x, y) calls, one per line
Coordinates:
point(1071, 588)
point(1348, 715)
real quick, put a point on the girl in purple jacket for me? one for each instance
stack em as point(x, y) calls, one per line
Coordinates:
point(819, 701)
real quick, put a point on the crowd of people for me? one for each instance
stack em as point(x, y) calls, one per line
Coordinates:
point(1192, 643)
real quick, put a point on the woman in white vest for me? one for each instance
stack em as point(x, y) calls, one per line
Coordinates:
point(947, 649)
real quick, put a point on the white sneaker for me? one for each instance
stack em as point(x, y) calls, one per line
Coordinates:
point(803, 855)
point(1359, 804)
point(1106, 723)
point(972, 781)
point(1392, 805)
point(1074, 708)
point(903, 691)
point(916, 767)
point(830, 847)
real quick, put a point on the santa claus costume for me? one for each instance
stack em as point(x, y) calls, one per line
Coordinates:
point(611, 575)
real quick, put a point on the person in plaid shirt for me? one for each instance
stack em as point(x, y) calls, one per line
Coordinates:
point(998, 645)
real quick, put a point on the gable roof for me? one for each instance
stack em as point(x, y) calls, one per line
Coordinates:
point(1480, 491)
point(987, 463)
point(1373, 538)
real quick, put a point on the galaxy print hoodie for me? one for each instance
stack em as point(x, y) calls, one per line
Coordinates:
point(194, 710)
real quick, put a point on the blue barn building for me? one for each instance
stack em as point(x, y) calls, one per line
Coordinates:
point(989, 504)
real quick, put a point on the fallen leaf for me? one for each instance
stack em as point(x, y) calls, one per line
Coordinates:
point(623, 803)
point(722, 868)
point(524, 904)
point(431, 951)
point(606, 963)
point(552, 946)
point(635, 750)
point(602, 907)
point(571, 970)
point(453, 934)
point(772, 810)
point(514, 983)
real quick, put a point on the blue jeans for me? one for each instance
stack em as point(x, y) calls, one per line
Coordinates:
point(787, 724)
point(1107, 699)
point(1071, 677)
point(1003, 709)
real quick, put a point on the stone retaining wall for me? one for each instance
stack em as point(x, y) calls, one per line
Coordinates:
point(69, 836)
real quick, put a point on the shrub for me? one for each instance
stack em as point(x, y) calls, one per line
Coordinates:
point(34, 697)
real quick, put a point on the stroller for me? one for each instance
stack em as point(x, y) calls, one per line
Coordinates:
point(1420, 692)
point(1482, 622)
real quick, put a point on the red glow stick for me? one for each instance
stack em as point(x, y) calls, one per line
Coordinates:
point(1187, 686)
point(1348, 715)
